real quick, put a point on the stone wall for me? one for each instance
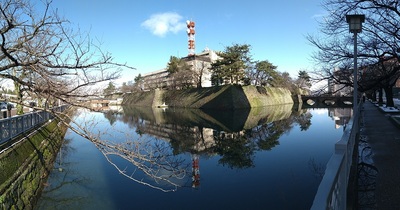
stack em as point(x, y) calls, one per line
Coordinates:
point(222, 97)
point(260, 96)
point(26, 165)
point(144, 98)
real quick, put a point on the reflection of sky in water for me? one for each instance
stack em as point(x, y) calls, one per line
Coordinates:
point(285, 177)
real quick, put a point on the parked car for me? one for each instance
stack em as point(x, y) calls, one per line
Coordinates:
point(4, 105)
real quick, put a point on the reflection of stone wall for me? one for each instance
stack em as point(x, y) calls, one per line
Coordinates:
point(193, 129)
point(267, 114)
point(228, 120)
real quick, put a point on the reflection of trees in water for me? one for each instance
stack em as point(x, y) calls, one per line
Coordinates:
point(236, 148)
point(156, 160)
point(154, 153)
point(145, 160)
point(151, 159)
point(63, 177)
point(111, 116)
point(189, 139)
point(317, 169)
point(304, 120)
point(267, 136)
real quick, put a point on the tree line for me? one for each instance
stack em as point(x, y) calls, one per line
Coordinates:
point(234, 66)
point(47, 60)
point(378, 46)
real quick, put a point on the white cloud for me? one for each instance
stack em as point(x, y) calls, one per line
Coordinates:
point(320, 16)
point(162, 23)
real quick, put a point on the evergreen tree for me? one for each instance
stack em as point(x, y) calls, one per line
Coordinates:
point(174, 64)
point(232, 65)
point(109, 90)
point(263, 73)
point(180, 73)
point(304, 80)
point(138, 79)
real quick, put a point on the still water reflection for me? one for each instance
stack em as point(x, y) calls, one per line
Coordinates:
point(265, 158)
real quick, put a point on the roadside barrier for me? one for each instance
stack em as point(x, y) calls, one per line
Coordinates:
point(332, 191)
point(16, 125)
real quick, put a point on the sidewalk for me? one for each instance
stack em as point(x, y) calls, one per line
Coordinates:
point(383, 137)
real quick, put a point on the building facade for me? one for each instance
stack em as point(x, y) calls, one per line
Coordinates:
point(200, 66)
point(336, 86)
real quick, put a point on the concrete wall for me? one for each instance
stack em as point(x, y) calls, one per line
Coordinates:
point(26, 165)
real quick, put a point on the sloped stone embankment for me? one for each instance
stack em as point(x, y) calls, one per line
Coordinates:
point(222, 97)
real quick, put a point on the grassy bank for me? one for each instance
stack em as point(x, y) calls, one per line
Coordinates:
point(26, 165)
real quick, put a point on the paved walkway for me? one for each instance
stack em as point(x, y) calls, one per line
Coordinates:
point(383, 137)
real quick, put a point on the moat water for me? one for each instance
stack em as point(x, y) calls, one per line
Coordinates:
point(264, 158)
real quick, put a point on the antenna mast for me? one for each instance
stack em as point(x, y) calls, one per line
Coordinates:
point(190, 32)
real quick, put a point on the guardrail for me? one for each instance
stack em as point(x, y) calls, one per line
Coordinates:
point(332, 191)
point(14, 126)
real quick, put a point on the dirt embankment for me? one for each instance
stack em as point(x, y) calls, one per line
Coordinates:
point(222, 97)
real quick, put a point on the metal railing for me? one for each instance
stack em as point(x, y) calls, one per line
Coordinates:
point(332, 191)
point(14, 126)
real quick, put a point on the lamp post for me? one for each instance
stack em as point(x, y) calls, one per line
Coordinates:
point(355, 26)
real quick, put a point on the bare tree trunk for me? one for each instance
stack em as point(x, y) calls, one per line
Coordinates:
point(389, 96)
point(380, 100)
point(374, 96)
point(20, 108)
point(371, 96)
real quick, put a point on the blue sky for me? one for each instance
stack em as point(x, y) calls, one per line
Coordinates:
point(145, 33)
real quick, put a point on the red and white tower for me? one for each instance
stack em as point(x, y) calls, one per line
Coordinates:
point(190, 32)
point(195, 171)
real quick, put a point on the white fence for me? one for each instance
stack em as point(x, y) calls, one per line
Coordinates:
point(332, 191)
point(14, 126)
